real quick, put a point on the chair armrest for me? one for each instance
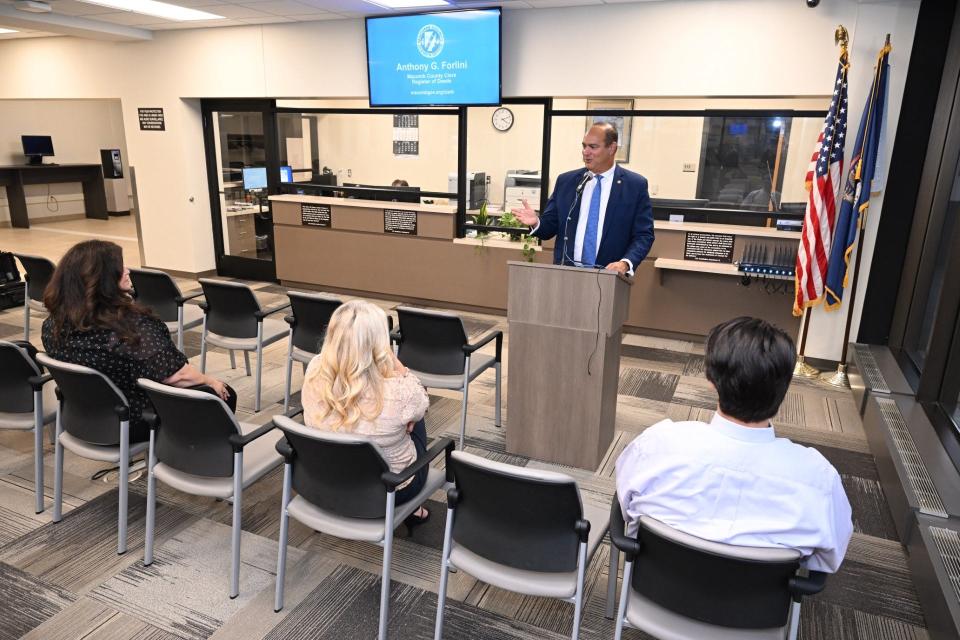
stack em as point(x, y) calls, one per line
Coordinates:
point(807, 585)
point(395, 336)
point(181, 299)
point(453, 497)
point(283, 445)
point(260, 315)
point(393, 479)
point(37, 382)
point(238, 441)
point(152, 419)
point(470, 347)
point(204, 306)
point(582, 527)
point(290, 320)
point(630, 546)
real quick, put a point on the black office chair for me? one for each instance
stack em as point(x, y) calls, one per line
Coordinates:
point(37, 272)
point(234, 320)
point(434, 346)
point(93, 421)
point(158, 291)
point(308, 324)
point(525, 530)
point(678, 586)
point(345, 489)
point(27, 403)
point(198, 447)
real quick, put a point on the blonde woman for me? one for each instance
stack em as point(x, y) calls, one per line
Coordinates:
point(357, 385)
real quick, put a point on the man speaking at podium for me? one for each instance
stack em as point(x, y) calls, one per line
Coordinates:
point(601, 217)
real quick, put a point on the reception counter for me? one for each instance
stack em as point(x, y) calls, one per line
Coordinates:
point(407, 252)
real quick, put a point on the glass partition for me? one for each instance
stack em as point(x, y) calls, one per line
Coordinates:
point(406, 156)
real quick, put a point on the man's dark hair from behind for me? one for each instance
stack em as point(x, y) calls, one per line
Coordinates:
point(750, 362)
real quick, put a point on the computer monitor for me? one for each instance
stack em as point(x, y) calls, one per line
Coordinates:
point(36, 147)
point(254, 178)
point(286, 174)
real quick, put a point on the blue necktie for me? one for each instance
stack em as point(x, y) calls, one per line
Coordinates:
point(588, 254)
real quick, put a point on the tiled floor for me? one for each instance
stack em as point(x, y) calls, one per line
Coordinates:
point(64, 581)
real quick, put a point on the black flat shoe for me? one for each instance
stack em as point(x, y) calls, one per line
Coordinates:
point(413, 520)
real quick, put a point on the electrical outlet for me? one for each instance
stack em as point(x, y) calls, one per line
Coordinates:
point(689, 167)
point(654, 188)
point(349, 173)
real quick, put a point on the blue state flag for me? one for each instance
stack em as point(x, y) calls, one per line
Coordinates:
point(856, 193)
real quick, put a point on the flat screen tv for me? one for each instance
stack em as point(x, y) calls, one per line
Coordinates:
point(446, 58)
point(254, 178)
point(36, 147)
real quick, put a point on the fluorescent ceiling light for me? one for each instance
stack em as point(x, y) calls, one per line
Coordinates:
point(5, 30)
point(408, 4)
point(154, 8)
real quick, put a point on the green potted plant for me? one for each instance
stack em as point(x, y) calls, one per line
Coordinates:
point(482, 218)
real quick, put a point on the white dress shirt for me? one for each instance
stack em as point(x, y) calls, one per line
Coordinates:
point(606, 183)
point(738, 485)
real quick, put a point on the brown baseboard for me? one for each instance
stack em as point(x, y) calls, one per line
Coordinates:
point(5, 224)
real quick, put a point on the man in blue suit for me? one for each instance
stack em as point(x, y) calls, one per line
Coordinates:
point(602, 216)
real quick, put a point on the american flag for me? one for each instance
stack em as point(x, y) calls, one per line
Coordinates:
point(824, 183)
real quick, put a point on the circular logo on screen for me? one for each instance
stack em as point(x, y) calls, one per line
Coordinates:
point(430, 41)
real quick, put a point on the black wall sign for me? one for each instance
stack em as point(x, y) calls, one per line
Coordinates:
point(151, 119)
point(400, 221)
point(708, 247)
point(315, 215)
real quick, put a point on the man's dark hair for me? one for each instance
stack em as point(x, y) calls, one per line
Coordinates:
point(750, 362)
point(610, 135)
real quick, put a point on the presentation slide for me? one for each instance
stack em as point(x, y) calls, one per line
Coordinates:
point(450, 58)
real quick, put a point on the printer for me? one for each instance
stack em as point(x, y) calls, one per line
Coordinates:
point(476, 188)
point(520, 184)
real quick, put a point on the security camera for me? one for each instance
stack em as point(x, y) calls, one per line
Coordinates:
point(812, 3)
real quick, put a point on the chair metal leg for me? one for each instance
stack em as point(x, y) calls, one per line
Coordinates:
point(466, 392)
point(246, 361)
point(387, 557)
point(794, 620)
point(612, 582)
point(151, 502)
point(203, 346)
point(496, 420)
point(58, 471)
point(256, 406)
point(38, 449)
point(624, 595)
point(235, 542)
point(124, 487)
point(26, 317)
point(180, 327)
point(282, 550)
point(233, 360)
point(444, 573)
point(578, 598)
point(286, 388)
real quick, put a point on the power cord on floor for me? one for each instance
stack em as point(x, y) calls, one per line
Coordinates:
point(135, 465)
point(52, 198)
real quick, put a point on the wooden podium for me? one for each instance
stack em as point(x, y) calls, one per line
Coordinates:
point(565, 328)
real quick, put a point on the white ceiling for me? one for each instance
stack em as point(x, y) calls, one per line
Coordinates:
point(72, 17)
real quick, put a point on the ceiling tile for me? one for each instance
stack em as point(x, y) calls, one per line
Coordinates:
point(236, 11)
point(282, 7)
point(550, 4)
point(190, 24)
point(74, 8)
point(266, 19)
point(126, 18)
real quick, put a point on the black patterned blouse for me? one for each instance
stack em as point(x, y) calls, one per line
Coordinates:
point(156, 357)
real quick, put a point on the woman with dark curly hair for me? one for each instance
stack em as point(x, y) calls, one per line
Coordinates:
point(95, 322)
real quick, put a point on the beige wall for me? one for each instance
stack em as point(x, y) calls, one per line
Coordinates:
point(79, 128)
point(668, 49)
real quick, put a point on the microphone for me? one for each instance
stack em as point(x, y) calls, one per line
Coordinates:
point(587, 177)
point(567, 251)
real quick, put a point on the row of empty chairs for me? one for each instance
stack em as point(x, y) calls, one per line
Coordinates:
point(434, 345)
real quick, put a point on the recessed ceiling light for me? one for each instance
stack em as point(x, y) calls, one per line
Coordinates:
point(408, 4)
point(5, 30)
point(155, 8)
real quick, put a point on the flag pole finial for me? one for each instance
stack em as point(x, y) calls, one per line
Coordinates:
point(840, 36)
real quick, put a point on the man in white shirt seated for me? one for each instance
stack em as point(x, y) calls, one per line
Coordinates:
point(733, 480)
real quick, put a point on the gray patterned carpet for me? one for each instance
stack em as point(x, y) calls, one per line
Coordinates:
point(65, 581)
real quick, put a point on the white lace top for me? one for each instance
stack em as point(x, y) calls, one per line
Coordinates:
point(404, 401)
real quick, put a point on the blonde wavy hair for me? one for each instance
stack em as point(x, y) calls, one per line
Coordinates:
point(348, 373)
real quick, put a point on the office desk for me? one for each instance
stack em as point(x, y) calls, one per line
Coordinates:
point(89, 175)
